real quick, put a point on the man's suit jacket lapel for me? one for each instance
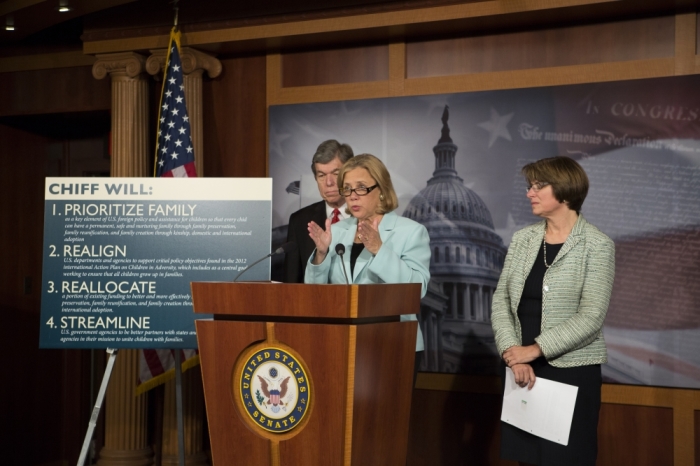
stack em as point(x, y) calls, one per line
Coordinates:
point(318, 215)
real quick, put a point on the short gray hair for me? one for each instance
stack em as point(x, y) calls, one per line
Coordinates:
point(329, 150)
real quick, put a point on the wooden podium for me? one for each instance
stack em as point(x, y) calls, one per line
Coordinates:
point(351, 360)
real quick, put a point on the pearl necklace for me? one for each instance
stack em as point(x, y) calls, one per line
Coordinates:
point(544, 246)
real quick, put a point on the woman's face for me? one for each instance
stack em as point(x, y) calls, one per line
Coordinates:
point(543, 202)
point(361, 207)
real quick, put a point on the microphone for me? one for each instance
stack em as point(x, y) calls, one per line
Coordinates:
point(340, 250)
point(285, 248)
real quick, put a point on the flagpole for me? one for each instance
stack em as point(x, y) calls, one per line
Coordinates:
point(160, 102)
point(168, 111)
point(178, 353)
point(176, 11)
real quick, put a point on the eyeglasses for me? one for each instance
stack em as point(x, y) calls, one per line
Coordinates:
point(536, 186)
point(362, 191)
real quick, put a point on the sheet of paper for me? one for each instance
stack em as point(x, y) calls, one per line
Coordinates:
point(545, 411)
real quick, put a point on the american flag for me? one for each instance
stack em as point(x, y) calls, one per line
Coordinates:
point(293, 187)
point(174, 158)
point(158, 366)
point(174, 151)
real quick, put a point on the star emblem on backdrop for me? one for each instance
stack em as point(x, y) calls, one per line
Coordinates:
point(497, 126)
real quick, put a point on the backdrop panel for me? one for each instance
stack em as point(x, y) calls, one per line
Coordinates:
point(457, 171)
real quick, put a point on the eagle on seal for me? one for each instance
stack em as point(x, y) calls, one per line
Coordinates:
point(274, 396)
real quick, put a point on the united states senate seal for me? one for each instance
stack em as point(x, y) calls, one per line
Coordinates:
point(274, 388)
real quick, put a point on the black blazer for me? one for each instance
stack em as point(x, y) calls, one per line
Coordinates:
point(297, 231)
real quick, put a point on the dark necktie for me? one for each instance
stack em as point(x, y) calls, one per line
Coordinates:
point(336, 216)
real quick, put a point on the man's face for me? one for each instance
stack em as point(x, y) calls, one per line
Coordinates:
point(326, 177)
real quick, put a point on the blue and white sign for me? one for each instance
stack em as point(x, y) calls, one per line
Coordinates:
point(120, 253)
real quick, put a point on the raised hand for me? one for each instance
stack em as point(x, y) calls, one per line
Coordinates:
point(368, 233)
point(322, 240)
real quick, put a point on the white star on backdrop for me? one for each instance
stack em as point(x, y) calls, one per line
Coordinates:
point(497, 126)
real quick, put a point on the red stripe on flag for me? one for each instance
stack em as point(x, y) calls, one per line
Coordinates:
point(153, 361)
point(191, 170)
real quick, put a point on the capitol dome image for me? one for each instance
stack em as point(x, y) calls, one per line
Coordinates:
point(467, 259)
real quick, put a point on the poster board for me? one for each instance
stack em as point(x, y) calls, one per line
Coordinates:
point(120, 253)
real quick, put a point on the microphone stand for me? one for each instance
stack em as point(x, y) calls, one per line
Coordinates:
point(251, 265)
point(340, 250)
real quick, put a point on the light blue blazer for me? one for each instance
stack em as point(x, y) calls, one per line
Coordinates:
point(403, 258)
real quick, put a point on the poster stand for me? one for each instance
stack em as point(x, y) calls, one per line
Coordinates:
point(106, 283)
point(98, 405)
point(101, 395)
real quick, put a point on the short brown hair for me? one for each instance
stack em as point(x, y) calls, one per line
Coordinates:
point(568, 179)
point(377, 170)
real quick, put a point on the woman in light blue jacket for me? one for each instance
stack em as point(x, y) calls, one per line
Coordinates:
point(549, 307)
point(380, 246)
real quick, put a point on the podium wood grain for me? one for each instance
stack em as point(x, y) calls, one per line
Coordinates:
point(360, 374)
point(300, 300)
point(220, 343)
point(385, 358)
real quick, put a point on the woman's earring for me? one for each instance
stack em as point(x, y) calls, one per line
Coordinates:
point(381, 197)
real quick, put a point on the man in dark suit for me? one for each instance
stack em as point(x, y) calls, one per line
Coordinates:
point(329, 157)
